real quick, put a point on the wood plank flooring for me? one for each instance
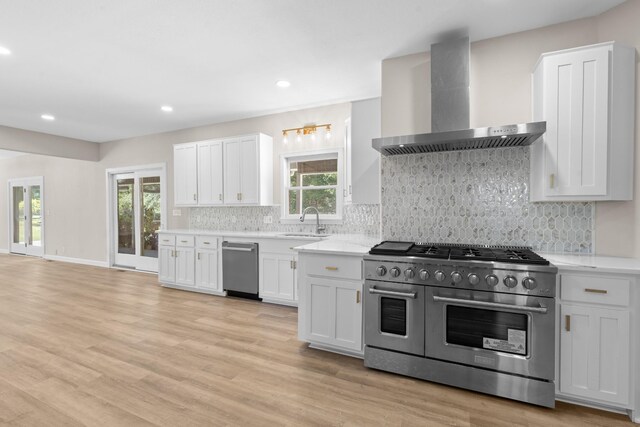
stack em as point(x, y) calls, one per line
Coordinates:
point(91, 346)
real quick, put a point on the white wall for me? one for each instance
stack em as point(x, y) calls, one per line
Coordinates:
point(75, 191)
point(51, 145)
point(365, 161)
point(501, 94)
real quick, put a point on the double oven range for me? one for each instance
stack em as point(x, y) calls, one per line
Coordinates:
point(476, 317)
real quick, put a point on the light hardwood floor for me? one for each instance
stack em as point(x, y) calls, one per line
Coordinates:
point(91, 346)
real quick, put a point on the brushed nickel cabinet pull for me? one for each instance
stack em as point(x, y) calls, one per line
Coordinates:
point(357, 297)
point(331, 268)
point(567, 323)
point(596, 291)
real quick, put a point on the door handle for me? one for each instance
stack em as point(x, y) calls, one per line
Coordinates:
point(230, 248)
point(374, 290)
point(552, 179)
point(489, 304)
point(567, 323)
point(358, 296)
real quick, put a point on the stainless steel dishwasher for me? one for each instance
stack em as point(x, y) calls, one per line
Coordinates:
point(240, 269)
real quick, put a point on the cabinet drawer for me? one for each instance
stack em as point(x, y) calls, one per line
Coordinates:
point(345, 267)
point(207, 242)
point(167, 239)
point(186, 241)
point(282, 246)
point(595, 289)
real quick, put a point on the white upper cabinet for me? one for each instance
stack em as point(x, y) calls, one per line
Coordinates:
point(248, 172)
point(587, 97)
point(228, 171)
point(362, 162)
point(210, 173)
point(185, 175)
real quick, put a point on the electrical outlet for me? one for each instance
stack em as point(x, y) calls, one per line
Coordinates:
point(267, 219)
point(177, 212)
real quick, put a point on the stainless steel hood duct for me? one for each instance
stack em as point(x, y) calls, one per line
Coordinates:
point(450, 112)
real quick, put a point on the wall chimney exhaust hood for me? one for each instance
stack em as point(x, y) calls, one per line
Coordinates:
point(450, 112)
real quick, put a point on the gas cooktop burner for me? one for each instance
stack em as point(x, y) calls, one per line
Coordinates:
point(504, 254)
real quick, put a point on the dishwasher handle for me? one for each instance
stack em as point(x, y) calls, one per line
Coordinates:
point(232, 248)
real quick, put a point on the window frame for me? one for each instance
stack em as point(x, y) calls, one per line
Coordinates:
point(302, 156)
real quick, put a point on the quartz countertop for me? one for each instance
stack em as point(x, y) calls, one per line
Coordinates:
point(244, 234)
point(589, 262)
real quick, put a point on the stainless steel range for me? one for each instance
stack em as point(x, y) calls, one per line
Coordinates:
point(476, 317)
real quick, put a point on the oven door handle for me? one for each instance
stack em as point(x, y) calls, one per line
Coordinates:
point(488, 304)
point(412, 295)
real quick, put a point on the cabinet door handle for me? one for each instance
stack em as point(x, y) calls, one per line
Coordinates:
point(331, 268)
point(291, 264)
point(194, 197)
point(552, 179)
point(358, 297)
point(350, 192)
point(198, 256)
point(220, 197)
point(295, 265)
point(567, 323)
point(240, 196)
point(596, 291)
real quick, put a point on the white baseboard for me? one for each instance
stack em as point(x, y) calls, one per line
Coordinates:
point(4, 251)
point(82, 261)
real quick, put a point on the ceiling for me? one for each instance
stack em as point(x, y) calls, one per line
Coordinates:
point(104, 68)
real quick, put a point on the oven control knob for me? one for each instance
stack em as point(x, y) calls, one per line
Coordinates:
point(382, 270)
point(395, 272)
point(529, 283)
point(510, 282)
point(424, 274)
point(456, 277)
point(440, 276)
point(491, 279)
point(473, 279)
point(409, 273)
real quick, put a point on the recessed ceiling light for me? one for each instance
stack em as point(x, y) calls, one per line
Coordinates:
point(167, 108)
point(4, 51)
point(48, 117)
point(283, 83)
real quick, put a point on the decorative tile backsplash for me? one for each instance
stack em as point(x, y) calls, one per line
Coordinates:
point(357, 219)
point(478, 196)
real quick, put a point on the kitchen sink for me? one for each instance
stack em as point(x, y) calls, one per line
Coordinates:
point(304, 235)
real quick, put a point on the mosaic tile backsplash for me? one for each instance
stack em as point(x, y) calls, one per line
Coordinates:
point(478, 196)
point(357, 219)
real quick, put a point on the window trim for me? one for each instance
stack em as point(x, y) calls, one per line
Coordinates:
point(301, 156)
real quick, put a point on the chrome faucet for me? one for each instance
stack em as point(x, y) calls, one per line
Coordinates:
point(319, 228)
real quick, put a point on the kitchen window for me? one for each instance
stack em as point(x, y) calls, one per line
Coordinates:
point(312, 179)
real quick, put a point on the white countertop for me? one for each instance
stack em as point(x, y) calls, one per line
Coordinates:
point(243, 234)
point(341, 244)
point(594, 263)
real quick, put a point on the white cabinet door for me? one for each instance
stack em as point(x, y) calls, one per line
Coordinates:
point(185, 266)
point(166, 264)
point(249, 169)
point(210, 173)
point(576, 104)
point(232, 161)
point(185, 168)
point(277, 276)
point(594, 353)
point(333, 310)
point(207, 270)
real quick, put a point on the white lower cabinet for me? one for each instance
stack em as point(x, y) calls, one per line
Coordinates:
point(330, 306)
point(277, 277)
point(207, 270)
point(190, 263)
point(598, 339)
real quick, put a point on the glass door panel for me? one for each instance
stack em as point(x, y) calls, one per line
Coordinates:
point(35, 237)
point(19, 219)
point(125, 216)
point(150, 215)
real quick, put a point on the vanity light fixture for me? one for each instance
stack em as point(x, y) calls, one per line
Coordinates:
point(310, 130)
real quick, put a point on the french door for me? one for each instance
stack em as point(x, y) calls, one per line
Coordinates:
point(137, 214)
point(26, 217)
